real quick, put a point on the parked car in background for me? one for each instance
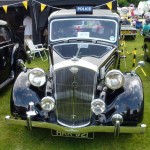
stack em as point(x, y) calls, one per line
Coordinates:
point(127, 30)
point(124, 12)
point(10, 52)
point(84, 91)
point(146, 48)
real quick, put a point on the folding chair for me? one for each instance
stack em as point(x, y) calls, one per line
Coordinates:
point(36, 49)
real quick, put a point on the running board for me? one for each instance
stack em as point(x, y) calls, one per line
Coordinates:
point(6, 82)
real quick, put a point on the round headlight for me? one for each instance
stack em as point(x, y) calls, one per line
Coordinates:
point(48, 103)
point(97, 106)
point(114, 79)
point(37, 77)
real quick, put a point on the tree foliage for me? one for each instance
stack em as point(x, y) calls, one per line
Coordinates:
point(127, 2)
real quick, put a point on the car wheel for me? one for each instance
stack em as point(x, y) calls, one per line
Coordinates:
point(146, 58)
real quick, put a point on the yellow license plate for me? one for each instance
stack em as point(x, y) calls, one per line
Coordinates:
point(125, 32)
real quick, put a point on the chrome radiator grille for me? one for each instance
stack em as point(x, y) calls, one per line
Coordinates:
point(73, 93)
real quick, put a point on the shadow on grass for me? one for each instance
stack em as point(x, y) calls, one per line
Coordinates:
point(104, 139)
point(4, 91)
point(37, 139)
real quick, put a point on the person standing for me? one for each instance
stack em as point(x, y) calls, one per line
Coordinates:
point(132, 13)
point(27, 23)
point(146, 28)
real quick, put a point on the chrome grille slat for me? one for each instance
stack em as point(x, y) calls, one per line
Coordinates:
point(73, 103)
point(109, 63)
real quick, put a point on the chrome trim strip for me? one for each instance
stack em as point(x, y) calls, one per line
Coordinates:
point(80, 62)
point(14, 50)
point(73, 127)
point(59, 95)
point(110, 129)
point(106, 67)
point(6, 82)
point(129, 34)
point(6, 46)
point(109, 63)
point(82, 19)
point(29, 122)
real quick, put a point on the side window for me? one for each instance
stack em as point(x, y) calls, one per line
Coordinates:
point(4, 34)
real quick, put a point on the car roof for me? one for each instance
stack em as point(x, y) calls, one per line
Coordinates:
point(72, 13)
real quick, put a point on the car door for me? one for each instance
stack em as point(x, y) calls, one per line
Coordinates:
point(6, 48)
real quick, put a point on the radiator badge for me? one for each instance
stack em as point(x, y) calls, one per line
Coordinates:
point(74, 70)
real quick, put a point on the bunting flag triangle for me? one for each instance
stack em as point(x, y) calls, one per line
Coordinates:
point(25, 4)
point(5, 8)
point(42, 7)
point(109, 5)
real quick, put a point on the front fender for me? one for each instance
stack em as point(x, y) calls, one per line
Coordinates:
point(129, 102)
point(23, 93)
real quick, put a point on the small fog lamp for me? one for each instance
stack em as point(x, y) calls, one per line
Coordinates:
point(97, 106)
point(48, 103)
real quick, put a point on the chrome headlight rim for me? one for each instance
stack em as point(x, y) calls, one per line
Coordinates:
point(119, 77)
point(48, 104)
point(32, 76)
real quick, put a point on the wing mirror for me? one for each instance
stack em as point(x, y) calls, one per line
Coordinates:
point(139, 65)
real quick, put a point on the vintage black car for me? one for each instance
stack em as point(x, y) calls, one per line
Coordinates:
point(146, 48)
point(10, 51)
point(84, 90)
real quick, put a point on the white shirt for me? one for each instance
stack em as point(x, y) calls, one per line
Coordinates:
point(27, 23)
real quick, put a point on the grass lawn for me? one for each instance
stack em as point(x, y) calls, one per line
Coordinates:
point(19, 138)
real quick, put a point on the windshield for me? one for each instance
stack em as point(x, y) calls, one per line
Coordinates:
point(83, 28)
point(78, 50)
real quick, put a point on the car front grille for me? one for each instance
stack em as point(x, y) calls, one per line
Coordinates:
point(73, 93)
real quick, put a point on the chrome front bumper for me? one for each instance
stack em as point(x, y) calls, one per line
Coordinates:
point(88, 129)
